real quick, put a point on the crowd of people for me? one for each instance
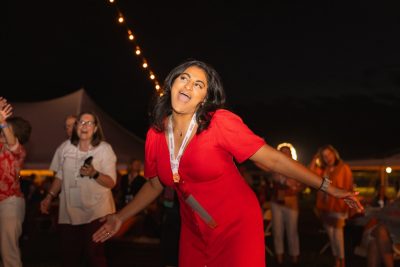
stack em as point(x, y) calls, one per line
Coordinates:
point(211, 216)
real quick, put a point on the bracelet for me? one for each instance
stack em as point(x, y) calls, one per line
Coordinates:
point(51, 194)
point(2, 126)
point(325, 183)
point(96, 175)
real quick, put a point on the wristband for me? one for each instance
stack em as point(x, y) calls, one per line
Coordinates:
point(2, 126)
point(96, 175)
point(325, 183)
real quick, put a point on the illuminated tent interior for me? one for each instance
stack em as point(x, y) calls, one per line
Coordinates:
point(47, 120)
point(369, 173)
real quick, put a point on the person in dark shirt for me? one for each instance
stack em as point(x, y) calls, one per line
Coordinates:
point(146, 223)
point(130, 183)
point(170, 228)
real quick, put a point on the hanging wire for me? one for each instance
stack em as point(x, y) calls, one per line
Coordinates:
point(138, 51)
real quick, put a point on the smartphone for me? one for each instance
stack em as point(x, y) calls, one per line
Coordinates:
point(87, 161)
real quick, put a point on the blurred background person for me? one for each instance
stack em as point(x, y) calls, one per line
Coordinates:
point(43, 187)
point(14, 132)
point(69, 123)
point(380, 199)
point(332, 211)
point(130, 183)
point(247, 176)
point(285, 210)
point(170, 227)
point(384, 236)
point(85, 194)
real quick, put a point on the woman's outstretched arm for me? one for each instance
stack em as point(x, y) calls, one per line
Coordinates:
point(269, 159)
point(146, 195)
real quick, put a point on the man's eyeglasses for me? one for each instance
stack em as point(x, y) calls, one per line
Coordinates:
point(87, 123)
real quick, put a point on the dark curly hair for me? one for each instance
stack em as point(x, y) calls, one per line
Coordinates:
point(215, 98)
point(22, 128)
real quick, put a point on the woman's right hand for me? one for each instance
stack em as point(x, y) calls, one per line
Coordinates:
point(5, 112)
point(109, 228)
point(45, 205)
point(3, 102)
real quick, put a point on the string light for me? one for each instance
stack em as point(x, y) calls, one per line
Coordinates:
point(138, 51)
point(388, 170)
point(120, 18)
point(130, 35)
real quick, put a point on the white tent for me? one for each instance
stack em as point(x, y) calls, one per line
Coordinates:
point(47, 119)
point(391, 161)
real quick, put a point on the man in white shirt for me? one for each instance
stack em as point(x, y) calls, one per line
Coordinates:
point(68, 126)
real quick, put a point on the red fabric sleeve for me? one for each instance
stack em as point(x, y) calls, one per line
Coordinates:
point(19, 153)
point(234, 136)
point(150, 162)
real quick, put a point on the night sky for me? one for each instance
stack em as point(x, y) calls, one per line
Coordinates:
point(305, 73)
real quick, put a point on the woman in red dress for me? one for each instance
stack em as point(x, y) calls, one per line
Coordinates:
point(192, 145)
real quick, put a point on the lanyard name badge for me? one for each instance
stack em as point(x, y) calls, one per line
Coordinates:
point(189, 198)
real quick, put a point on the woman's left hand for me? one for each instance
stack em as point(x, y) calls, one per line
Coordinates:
point(108, 229)
point(353, 202)
point(350, 198)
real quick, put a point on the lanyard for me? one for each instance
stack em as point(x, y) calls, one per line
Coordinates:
point(175, 161)
point(189, 198)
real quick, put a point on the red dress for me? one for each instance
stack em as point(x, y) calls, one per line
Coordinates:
point(211, 176)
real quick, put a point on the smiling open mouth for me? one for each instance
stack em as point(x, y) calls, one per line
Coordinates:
point(184, 97)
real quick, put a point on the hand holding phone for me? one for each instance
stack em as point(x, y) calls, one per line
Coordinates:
point(87, 163)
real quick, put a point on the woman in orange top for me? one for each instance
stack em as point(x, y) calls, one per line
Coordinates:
point(285, 210)
point(333, 211)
